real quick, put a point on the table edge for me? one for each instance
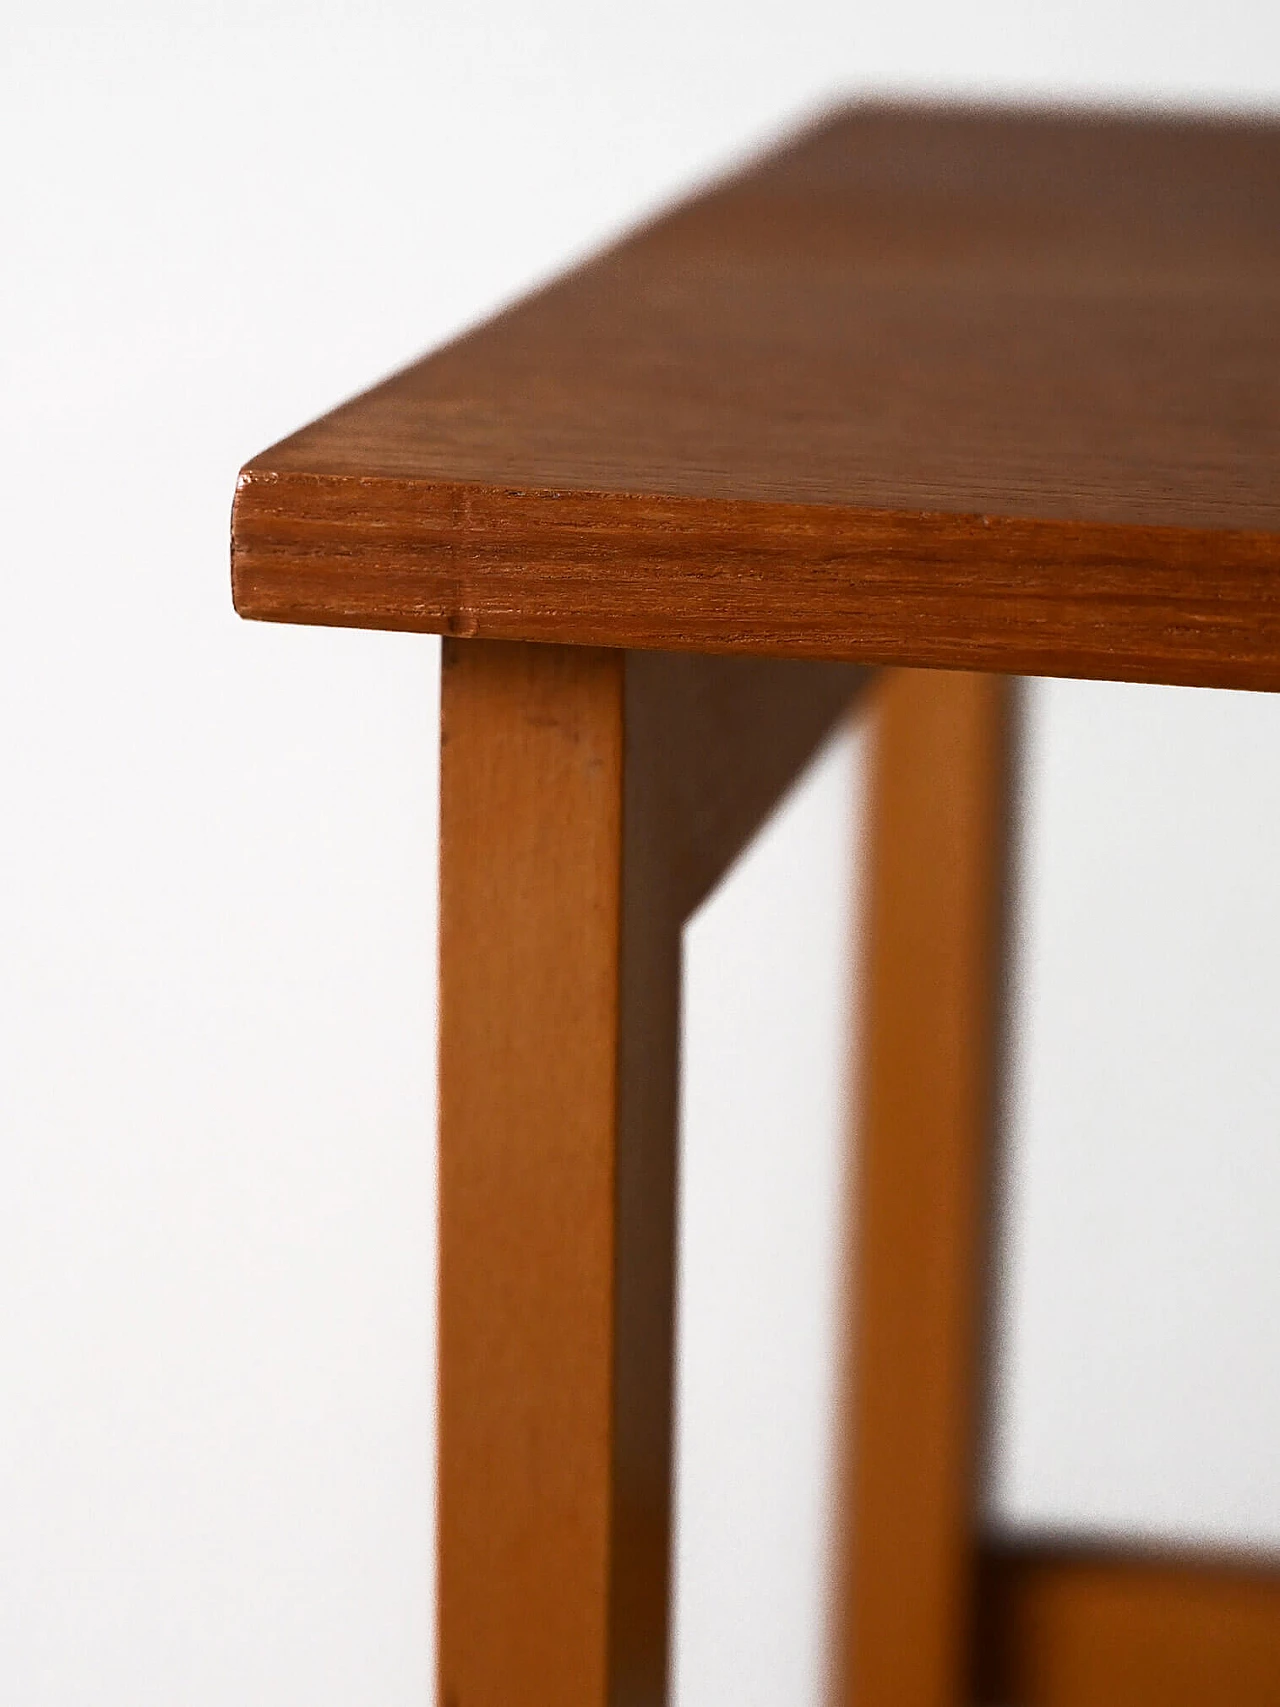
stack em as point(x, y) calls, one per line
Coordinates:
point(964, 590)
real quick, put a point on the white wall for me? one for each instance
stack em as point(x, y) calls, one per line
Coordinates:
point(217, 880)
point(1138, 1387)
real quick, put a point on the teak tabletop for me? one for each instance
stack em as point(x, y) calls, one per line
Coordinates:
point(987, 393)
point(945, 388)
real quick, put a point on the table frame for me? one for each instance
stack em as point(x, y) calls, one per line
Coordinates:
point(591, 798)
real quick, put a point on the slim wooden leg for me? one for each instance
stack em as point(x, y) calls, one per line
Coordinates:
point(530, 916)
point(927, 1075)
point(588, 800)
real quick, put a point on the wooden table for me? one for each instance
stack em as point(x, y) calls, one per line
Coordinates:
point(953, 394)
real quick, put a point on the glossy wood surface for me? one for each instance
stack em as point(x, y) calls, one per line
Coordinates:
point(993, 391)
point(929, 1033)
point(588, 802)
point(1095, 1629)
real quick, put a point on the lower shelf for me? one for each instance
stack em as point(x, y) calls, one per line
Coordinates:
point(1061, 1628)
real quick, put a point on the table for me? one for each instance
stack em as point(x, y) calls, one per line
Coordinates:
point(928, 399)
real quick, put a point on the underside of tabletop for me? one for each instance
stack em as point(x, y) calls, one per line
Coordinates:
point(981, 389)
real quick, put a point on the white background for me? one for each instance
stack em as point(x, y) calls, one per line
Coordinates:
point(217, 883)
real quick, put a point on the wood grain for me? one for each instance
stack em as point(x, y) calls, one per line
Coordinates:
point(530, 904)
point(984, 390)
point(588, 801)
point(1093, 1629)
point(937, 811)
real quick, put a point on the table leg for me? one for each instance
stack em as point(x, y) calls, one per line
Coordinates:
point(589, 800)
point(938, 823)
point(532, 1018)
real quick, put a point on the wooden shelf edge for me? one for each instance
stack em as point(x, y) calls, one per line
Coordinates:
point(1090, 1628)
point(1197, 607)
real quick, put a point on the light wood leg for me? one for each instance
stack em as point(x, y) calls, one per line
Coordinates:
point(938, 810)
point(531, 825)
point(588, 801)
